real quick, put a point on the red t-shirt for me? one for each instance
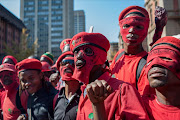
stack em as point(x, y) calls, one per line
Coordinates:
point(124, 103)
point(10, 111)
point(159, 111)
point(125, 69)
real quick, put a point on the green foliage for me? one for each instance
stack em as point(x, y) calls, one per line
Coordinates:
point(19, 50)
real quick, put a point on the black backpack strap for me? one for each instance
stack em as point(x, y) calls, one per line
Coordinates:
point(140, 66)
point(18, 103)
point(119, 55)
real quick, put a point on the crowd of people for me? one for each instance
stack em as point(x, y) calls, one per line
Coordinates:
point(82, 85)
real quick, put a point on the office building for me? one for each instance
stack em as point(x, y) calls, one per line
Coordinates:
point(48, 22)
point(79, 21)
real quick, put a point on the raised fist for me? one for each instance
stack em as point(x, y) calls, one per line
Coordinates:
point(160, 17)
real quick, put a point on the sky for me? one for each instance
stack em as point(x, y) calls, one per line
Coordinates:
point(102, 14)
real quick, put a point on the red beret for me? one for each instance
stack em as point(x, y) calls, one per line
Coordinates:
point(7, 67)
point(63, 55)
point(170, 41)
point(94, 39)
point(45, 66)
point(28, 64)
point(65, 45)
point(132, 9)
point(11, 57)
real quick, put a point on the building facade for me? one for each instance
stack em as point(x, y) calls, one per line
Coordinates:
point(114, 47)
point(48, 22)
point(173, 23)
point(79, 21)
point(10, 30)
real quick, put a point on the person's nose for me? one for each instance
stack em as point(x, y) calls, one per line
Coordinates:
point(80, 55)
point(131, 30)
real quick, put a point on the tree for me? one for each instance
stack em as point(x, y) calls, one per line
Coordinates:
point(20, 51)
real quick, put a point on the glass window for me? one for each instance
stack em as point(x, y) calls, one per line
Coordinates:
point(54, 45)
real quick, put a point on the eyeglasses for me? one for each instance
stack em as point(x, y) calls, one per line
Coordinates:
point(64, 62)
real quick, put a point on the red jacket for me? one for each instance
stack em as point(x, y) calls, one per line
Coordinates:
point(124, 103)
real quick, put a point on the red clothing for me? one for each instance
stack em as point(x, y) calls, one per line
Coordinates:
point(2, 96)
point(124, 103)
point(159, 111)
point(10, 111)
point(125, 69)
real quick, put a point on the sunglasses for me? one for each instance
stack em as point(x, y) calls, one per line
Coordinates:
point(64, 62)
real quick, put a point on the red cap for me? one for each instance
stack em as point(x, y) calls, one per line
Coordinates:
point(132, 9)
point(7, 67)
point(64, 46)
point(26, 64)
point(11, 57)
point(61, 57)
point(94, 39)
point(45, 66)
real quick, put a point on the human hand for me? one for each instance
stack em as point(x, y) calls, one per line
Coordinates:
point(160, 17)
point(98, 91)
point(160, 21)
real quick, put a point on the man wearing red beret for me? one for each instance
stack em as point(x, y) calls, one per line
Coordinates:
point(8, 79)
point(128, 63)
point(68, 97)
point(47, 57)
point(9, 59)
point(163, 73)
point(41, 92)
point(123, 100)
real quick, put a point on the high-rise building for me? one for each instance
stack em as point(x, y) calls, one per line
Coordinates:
point(79, 21)
point(10, 30)
point(48, 22)
point(173, 25)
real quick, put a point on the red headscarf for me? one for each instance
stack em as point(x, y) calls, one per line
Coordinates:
point(141, 19)
point(168, 47)
point(98, 43)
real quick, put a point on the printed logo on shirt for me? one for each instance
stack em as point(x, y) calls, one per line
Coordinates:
point(91, 116)
point(113, 76)
point(10, 111)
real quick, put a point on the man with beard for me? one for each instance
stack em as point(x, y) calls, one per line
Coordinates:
point(68, 97)
point(163, 73)
point(123, 100)
point(128, 63)
point(8, 79)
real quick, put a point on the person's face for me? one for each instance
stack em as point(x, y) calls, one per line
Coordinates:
point(133, 30)
point(7, 77)
point(159, 76)
point(31, 80)
point(68, 64)
point(8, 60)
point(82, 55)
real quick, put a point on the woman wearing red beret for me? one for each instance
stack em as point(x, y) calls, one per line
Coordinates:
point(41, 92)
